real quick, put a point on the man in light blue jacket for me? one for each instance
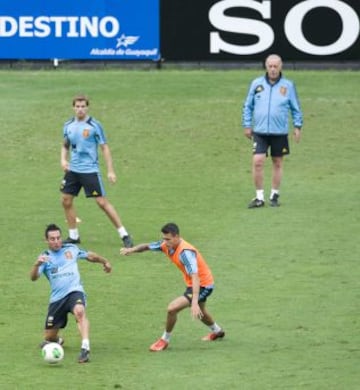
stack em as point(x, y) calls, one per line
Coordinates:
point(265, 121)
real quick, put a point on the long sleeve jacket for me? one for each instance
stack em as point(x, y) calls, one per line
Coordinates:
point(266, 108)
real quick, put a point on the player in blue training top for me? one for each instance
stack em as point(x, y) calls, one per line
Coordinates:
point(265, 120)
point(82, 137)
point(59, 264)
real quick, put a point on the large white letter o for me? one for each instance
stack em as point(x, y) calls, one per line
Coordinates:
point(349, 34)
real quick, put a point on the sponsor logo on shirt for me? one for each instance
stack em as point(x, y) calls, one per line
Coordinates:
point(259, 88)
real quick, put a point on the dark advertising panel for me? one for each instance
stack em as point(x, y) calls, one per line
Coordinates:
point(208, 30)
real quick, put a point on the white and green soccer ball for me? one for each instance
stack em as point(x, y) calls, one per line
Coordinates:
point(52, 353)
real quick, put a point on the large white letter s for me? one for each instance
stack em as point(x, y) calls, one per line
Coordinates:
point(240, 25)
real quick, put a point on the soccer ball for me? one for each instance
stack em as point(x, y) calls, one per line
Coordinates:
point(52, 353)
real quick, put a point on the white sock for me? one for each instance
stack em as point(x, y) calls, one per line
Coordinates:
point(215, 328)
point(74, 234)
point(273, 192)
point(85, 344)
point(166, 336)
point(122, 232)
point(260, 194)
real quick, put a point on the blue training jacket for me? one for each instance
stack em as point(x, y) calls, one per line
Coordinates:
point(266, 108)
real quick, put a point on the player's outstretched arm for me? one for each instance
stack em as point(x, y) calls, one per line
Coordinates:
point(34, 272)
point(135, 249)
point(95, 258)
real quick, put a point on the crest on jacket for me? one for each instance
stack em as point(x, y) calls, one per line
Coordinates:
point(283, 90)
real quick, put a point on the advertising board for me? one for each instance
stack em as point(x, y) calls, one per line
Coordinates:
point(81, 29)
point(248, 29)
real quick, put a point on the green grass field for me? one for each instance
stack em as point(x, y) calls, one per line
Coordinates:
point(287, 279)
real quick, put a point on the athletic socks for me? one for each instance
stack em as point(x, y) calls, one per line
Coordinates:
point(273, 192)
point(85, 344)
point(166, 336)
point(215, 328)
point(260, 195)
point(122, 232)
point(74, 234)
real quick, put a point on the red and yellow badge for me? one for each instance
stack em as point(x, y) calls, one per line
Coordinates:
point(86, 133)
point(68, 255)
point(283, 90)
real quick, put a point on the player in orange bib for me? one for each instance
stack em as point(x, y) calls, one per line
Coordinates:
point(198, 279)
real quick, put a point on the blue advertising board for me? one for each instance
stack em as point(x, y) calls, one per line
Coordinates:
point(81, 29)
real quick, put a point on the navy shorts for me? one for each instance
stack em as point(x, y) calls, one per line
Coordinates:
point(58, 311)
point(278, 144)
point(204, 293)
point(91, 182)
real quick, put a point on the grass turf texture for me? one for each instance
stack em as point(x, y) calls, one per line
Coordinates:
point(287, 289)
